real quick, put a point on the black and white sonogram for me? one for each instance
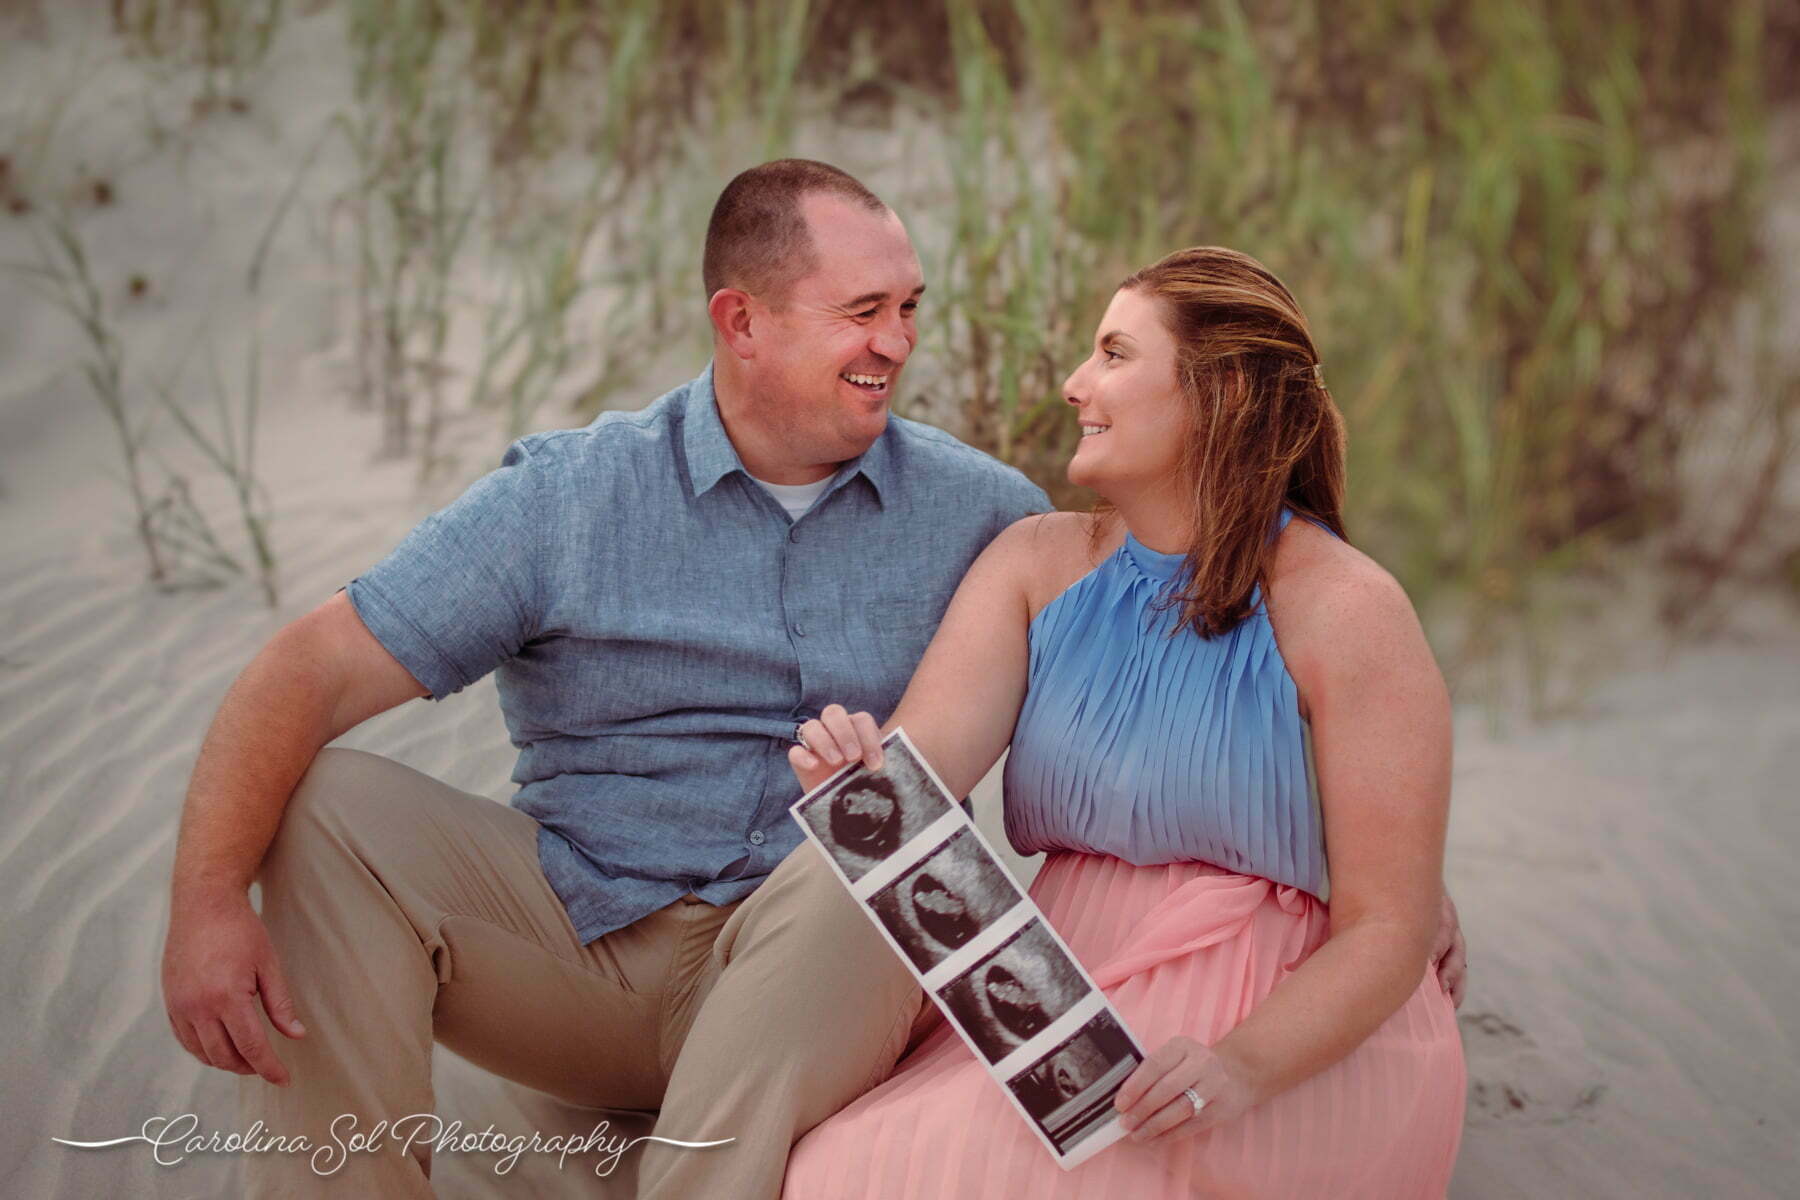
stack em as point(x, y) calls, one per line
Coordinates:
point(871, 814)
point(944, 900)
point(1014, 993)
point(1069, 1092)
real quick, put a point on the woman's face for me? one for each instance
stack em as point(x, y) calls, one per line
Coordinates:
point(1133, 417)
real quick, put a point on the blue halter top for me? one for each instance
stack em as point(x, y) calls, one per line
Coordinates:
point(1157, 749)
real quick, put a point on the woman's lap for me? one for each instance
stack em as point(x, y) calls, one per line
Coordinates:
point(1384, 1121)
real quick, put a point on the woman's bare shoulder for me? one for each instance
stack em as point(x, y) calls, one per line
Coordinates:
point(1333, 607)
point(1046, 552)
point(1312, 561)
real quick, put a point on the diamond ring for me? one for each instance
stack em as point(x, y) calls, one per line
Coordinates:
point(1194, 1099)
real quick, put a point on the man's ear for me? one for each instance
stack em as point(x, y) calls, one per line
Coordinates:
point(729, 309)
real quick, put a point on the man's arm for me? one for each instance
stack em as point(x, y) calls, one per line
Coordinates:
point(319, 677)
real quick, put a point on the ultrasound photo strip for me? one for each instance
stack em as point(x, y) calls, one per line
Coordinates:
point(1007, 983)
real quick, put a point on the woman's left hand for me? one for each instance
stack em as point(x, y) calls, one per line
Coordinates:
point(1153, 1101)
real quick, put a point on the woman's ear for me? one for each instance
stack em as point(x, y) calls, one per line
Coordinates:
point(730, 310)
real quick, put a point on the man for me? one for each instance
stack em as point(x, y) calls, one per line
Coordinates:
point(665, 595)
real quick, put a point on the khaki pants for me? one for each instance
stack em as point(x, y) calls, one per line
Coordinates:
point(405, 911)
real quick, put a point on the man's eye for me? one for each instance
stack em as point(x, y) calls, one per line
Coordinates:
point(866, 313)
point(1112, 354)
point(910, 307)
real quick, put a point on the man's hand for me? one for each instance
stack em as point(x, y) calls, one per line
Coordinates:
point(217, 964)
point(1449, 954)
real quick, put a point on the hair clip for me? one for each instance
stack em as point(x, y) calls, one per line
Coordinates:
point(1319, 374)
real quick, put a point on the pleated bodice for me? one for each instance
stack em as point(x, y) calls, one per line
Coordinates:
point(1160, 749)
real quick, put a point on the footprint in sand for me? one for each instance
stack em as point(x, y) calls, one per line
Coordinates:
point(1512, 1081)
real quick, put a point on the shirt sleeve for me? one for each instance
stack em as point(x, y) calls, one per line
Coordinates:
point(1032, 499)
point(1019, 498)
point(461, 593)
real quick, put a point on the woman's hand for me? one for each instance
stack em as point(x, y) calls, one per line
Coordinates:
point(836, 737)
point(1153, 1101)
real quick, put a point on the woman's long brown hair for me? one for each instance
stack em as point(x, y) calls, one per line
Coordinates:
point(1263, 430)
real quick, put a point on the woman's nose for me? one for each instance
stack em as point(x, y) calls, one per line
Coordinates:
point(1070, 386)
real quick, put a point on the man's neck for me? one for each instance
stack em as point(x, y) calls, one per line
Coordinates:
point(764, 452)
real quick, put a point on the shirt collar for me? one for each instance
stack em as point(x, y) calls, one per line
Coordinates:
point(874, 464)
point(711, 456)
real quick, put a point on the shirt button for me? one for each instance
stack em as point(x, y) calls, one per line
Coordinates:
point(794, 534)
point(756, 837)
point(799, 631)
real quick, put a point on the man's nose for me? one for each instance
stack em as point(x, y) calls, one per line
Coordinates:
point(889, 340)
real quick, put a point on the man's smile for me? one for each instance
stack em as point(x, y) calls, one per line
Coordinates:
point(874, 385)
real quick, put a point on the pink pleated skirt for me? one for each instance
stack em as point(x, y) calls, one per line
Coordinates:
point(1189, 949)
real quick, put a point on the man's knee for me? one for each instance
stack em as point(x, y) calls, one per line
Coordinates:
point(323, 803)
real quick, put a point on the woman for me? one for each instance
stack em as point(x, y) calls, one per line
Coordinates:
point(1201, 694)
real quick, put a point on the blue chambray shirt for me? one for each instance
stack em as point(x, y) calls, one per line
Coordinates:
point(659, 624)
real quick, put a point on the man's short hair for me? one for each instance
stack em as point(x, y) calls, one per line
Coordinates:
point(757, 239)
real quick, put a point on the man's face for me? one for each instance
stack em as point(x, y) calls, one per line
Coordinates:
point(830, 370)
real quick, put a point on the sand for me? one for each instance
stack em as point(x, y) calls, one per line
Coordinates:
point(1625, 871)
point(1625, 874)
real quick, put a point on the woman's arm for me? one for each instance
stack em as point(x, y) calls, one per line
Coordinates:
point(1380, 718)
point(1381, 741)
point(964, 698)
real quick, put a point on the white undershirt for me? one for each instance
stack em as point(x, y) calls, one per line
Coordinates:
point(795, 497)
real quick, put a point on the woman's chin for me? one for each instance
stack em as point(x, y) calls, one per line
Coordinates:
point(1114, 482)
point(1084, 475)
point(1080, 473)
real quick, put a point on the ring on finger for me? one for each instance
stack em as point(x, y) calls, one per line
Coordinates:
point(800, 736)
point(1194, 1099)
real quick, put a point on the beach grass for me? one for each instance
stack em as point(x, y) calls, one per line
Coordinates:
point(181, 547)
point(1528, 236)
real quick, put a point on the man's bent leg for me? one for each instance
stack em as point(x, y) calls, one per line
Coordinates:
point(396, 904)
point(802, 1009)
